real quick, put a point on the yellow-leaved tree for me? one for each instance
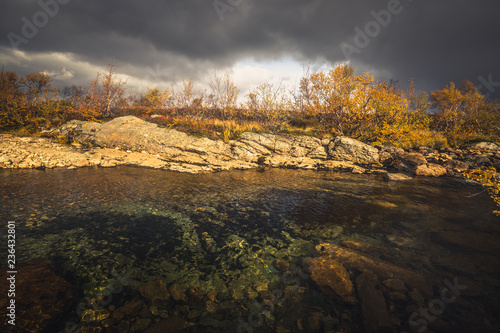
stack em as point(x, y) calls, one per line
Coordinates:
point(342, 100)
point(13, 104)
point(464, 114)
point(154, 99)
point(489, 177)
point(397, 115)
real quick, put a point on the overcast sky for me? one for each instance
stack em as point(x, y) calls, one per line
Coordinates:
point(161, 42)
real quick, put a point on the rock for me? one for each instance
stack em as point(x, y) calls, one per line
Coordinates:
point(211, 295)
point(178, 293)
point(398, 297)
point(331, 278)
point(141, 324)
point(208, 243)
point(155, 289)
point(486, 146)
point(364, 246)
point(211, 306)
point(314, 322)
point(397, 177)
point(347, 149)
point(479, 241)
point(82, 163)
point(357, 170)
point(132, 308)
point(195, 296)
point(395, 285)
point(170, 325)
point(417, 297)
point(456, 166)
point(42, 297)
point(373, 306)
point(282, 265)
point(412, 160)
point(482, 161)
point(430, 170)
point(459, 264)
point(352, 259)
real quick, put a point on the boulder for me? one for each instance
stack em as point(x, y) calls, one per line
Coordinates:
point(412, 160)
point(430, 170)
point(486, 146)
point(456, 166)
point(347, 149)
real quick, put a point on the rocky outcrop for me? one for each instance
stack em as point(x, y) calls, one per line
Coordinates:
point(132, 141)
point(347, 149)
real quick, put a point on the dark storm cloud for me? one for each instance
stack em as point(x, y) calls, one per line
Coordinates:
point(434, 42)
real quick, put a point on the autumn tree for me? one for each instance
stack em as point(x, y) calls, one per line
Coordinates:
point(302, 97)
point(38, 88)
point(106, 93)
point(267, 103)
point(223, 94)
point(342, 100)
point(188, 99)
point(73, 94)
point(154, 99)
point(464, 114)
point(13, 104)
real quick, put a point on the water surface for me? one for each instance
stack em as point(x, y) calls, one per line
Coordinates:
point(224, 232)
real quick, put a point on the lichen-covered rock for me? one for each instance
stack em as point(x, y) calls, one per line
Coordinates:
point(347, 149)
point(486, 146)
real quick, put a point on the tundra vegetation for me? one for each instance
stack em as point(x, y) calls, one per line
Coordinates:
point(326, 103)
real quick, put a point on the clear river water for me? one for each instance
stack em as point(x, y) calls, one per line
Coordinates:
point(220, 235)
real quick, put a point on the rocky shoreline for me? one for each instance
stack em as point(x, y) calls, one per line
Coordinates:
point(131, 141)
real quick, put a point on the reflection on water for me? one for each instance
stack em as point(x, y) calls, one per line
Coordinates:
point(218, 237)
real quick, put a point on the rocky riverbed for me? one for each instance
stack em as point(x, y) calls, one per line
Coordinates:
point(131, 141)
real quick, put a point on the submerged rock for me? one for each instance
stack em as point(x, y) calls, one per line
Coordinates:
point(352, 259)
point(373, 305)
point(170, 325)
point(42, 297)
point(155, 289)
point(178, 293)
point(331, 278)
